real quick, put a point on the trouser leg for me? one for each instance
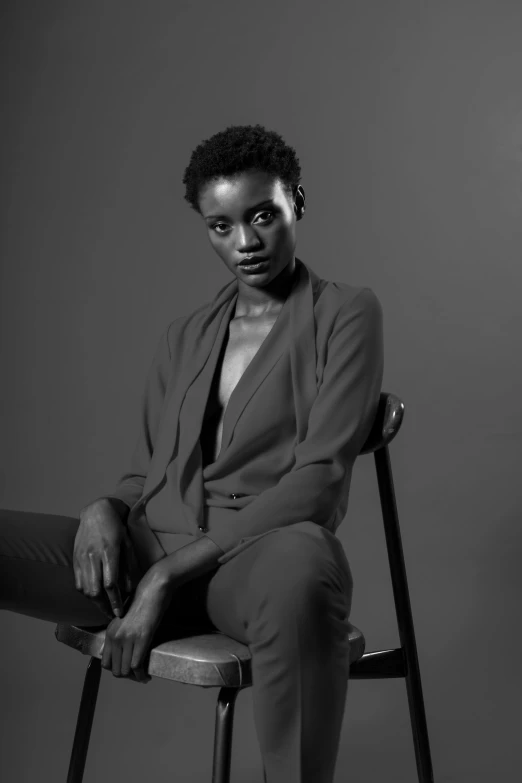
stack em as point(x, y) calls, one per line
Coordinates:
point(36, 573)
point(288, 596)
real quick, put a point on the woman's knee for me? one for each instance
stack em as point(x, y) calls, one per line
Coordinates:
point(300, 568)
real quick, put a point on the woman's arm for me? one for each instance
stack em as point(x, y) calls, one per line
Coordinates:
point(130, 486)
point(104, 560)
point(128, 640)
point(193, 560)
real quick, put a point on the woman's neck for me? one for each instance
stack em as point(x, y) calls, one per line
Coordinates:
point(258, 302)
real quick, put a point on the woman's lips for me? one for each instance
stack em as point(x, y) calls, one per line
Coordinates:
point(254, 266)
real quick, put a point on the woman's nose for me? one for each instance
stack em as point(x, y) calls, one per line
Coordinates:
point(247, 239)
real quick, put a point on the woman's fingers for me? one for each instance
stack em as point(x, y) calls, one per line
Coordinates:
point(132, 575)
point(126, 657)
point(87, 580)
point(138, 660)
point(110, 563)
point(106, 660)
point(97, 546)
point(92, 585)
point(113, 649)
point(78, 583)
point(116, 654)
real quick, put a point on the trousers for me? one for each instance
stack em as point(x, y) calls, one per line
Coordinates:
point(287, 596)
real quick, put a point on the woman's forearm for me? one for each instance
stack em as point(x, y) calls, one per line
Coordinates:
point(189, 562)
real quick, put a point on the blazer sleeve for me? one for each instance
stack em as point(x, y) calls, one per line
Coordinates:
point(129, 488)
point(340, 420)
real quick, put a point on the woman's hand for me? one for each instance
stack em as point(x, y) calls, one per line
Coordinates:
point(128, 640)
point(104, 562)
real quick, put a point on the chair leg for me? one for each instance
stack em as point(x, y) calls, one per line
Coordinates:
point(419, 726)
point(223, 734)
point(404, 614)
point(84, 722)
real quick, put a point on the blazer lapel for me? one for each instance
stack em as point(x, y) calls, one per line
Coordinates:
point(267, 355)
point(303, 349)
point(189, 458)
point(196, 342)
point(294, 330)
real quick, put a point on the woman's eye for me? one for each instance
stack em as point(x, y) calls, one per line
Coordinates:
point(266, 216)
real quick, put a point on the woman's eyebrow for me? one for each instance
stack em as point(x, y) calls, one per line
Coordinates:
point(266, 202)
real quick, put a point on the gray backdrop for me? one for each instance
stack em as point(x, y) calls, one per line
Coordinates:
point(407, 117)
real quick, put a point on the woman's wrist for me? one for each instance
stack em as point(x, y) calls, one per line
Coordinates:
point(157, 580)
point(117, 505)
point(183, 565)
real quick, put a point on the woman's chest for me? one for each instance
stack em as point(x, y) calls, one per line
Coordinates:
point(238, 351)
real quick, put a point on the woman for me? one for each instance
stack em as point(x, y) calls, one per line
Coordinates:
point(255, 409)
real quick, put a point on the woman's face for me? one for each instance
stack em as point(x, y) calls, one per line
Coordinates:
point(252, 214)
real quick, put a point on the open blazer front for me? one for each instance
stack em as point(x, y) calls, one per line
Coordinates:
point(293, 428)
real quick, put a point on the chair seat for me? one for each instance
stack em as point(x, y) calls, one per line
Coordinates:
point(206, 659)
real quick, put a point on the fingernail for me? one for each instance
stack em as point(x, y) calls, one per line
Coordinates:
point(117, 613)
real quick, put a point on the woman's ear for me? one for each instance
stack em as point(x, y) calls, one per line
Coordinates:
point(299, 202)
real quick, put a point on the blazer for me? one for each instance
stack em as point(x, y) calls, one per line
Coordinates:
point(292, 430)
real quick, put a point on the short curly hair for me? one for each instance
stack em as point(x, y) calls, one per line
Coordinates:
point(234, 150)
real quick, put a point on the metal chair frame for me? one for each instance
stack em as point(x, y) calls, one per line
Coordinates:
point(380, 664)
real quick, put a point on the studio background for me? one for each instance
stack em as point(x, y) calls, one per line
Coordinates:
point(407, 117)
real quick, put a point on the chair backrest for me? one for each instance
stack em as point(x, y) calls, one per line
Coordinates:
point(386, 425)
